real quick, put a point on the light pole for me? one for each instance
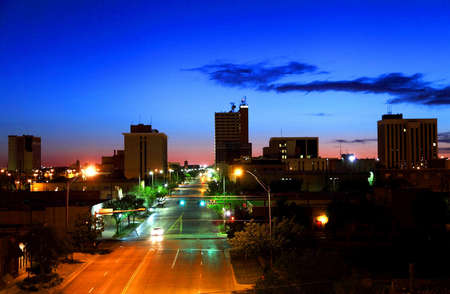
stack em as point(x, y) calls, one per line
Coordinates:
point(161, 172)
point(239, 172)
point(151, 173)
point(90, 171)
point(223, 179)
point(170, 175)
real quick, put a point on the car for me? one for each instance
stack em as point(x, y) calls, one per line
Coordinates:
point(156, 231)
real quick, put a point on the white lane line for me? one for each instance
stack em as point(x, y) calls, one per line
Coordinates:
point(105, 274)
point(92, 289)
point(135, 273)
point(175, 259)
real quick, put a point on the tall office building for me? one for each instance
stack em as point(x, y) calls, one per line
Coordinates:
point(292, 148)
point(24, 153)
point(407, 143)
point(145, 150)
point(231, 134)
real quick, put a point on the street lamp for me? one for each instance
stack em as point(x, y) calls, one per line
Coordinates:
point(239, 172)
point(88, 172)
point(151, 173)
point(223, 180)
point(170, 175)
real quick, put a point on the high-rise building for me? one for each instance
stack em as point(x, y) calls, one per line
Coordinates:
point(407, 143)
point(145, 150)
point(231, 134)
point(24, 153)
point(292, 148)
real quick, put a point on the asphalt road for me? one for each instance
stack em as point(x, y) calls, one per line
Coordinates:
point(190, 258)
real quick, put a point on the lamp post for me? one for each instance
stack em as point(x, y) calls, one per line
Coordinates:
point(152, 173)
point(90, 171)
point(161, 172)
point(239, 172)
point(170, 175)
point(223, 179)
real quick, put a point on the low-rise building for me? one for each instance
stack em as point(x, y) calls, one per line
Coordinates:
point(292, 148)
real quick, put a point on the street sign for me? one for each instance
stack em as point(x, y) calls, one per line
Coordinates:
point(105, 211)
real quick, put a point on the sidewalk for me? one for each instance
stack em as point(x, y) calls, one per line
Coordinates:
point(246, 271)
point(65, 270)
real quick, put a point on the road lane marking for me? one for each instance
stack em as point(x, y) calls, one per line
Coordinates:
point(135, 273)
point(179, 221)
point(175, 259)
point(105, 274)
point(92, 289)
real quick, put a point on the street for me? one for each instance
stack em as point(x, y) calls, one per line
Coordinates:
point(191, 257)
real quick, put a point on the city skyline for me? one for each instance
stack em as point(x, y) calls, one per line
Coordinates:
point(80, 79)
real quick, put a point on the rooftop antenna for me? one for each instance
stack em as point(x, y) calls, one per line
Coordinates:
point(244, 100)
point(233, 106)
point(281, 132)
point(340, 149)
point(389, 108)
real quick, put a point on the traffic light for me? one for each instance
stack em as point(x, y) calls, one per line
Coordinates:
point(182, 202)
point(202, 203)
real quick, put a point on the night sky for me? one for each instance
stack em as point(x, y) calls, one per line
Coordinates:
point(78, 73)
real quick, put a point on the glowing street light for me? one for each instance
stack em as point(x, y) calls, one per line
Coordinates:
point(322, 219)
point(88, 172)
point(239, 172)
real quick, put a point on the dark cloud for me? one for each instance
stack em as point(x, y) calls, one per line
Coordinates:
point(319, 114)
point(444, 149)
point(403, 88)
point(444, 137)
point(363, 141)
point(252, 75)
point(400, 87)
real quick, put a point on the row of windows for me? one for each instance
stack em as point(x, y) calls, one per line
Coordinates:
point(422, 143)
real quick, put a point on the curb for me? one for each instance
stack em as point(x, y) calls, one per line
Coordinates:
point(73, 275)
point(237, 286)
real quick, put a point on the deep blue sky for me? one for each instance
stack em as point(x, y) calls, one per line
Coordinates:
point(78, 73)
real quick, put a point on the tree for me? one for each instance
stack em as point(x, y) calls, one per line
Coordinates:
point(86, 231)
point(132, 202)
point(255, 239)
point(128, 202)
point(116, 205)
point(46, 246)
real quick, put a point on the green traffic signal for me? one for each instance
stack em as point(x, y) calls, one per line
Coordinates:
point(182, 202)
